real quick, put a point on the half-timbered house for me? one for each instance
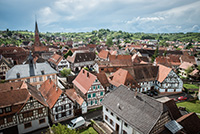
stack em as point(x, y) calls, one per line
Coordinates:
point(89, 88)
point(22, 109)
point(60, 105)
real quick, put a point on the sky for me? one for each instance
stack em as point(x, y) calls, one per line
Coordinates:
point(148, 16)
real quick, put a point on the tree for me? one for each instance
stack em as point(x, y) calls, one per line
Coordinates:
point(69, 53)
point(65, 72)
point(109, 42)
point(189, 70)
point(61, 129)
point(156, 53)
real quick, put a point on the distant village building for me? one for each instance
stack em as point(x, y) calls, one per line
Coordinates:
point(17, 55)
point(33, 73)
point(59, 104)
point(168, 80)
point(38, 47)
point(58, 62)
point(81, 59)
point(5, 65)
point(183, 67)
point(89, 88)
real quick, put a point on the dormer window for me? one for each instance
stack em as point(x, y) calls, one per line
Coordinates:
point(18, 75)
point(8, 109)
point(42, 72)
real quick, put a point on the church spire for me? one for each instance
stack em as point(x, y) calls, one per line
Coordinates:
point(37, 38)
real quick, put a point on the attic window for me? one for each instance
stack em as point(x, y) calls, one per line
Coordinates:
point(18, 75)
point(42, 72)
point(8, 109)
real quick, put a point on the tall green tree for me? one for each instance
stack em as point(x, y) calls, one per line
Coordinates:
point(69, 53)
point(65, 72)
point(109, 42)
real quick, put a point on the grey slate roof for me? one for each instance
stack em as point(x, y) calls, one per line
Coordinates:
point(140, 112)
point(27, 70)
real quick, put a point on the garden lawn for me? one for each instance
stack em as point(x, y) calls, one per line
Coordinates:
point(190, 86)
point(90, 130)
point(191, 106)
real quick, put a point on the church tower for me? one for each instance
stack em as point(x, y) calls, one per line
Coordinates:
point(38, 47)
point(37, 38)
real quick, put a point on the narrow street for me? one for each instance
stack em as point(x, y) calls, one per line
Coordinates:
point(96, 115)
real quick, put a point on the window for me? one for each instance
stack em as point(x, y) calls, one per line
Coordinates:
point(9, 119)
point(111, 122)
point(101, 100)
point(40, 111)
point(48, 77)
point(69, 112)
point(27, 125)
point(124, 132)
point(28, 80)
point(106, 109)
point(111, 113)
point(59, 108)
point(98, 86)
point(94, 95)
point(53, 76)
point(59, 115)
point(93, 87)
point(1, 111)
point(91, 102)
point(8, 109)
point(101, 94)
point(106, 117)
point(40, 78)
point(34, 79)
point(125, 124)
point(41, 121)
point(28, 114)
point(95, 101)
point(89, 95)
point(118, 118)
point(2, 121)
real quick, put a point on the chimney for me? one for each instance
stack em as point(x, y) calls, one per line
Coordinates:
point(87, 74)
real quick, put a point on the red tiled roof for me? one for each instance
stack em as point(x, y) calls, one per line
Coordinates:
point(185, 65)
point(13, 97)
point(122, 77)
point(103, 54)
point(50, 92)
point(84, 81)
point(12, 85)
point(71, 93)
point(119, 57)
point(56, 59)
point(163, 72)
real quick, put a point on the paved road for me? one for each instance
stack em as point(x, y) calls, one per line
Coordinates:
point(96, 115)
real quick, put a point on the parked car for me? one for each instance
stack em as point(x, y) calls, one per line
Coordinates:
point(182, 98)
point(77, 122)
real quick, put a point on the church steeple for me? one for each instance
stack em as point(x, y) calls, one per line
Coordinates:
point(36, 28)
point(37, 38)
